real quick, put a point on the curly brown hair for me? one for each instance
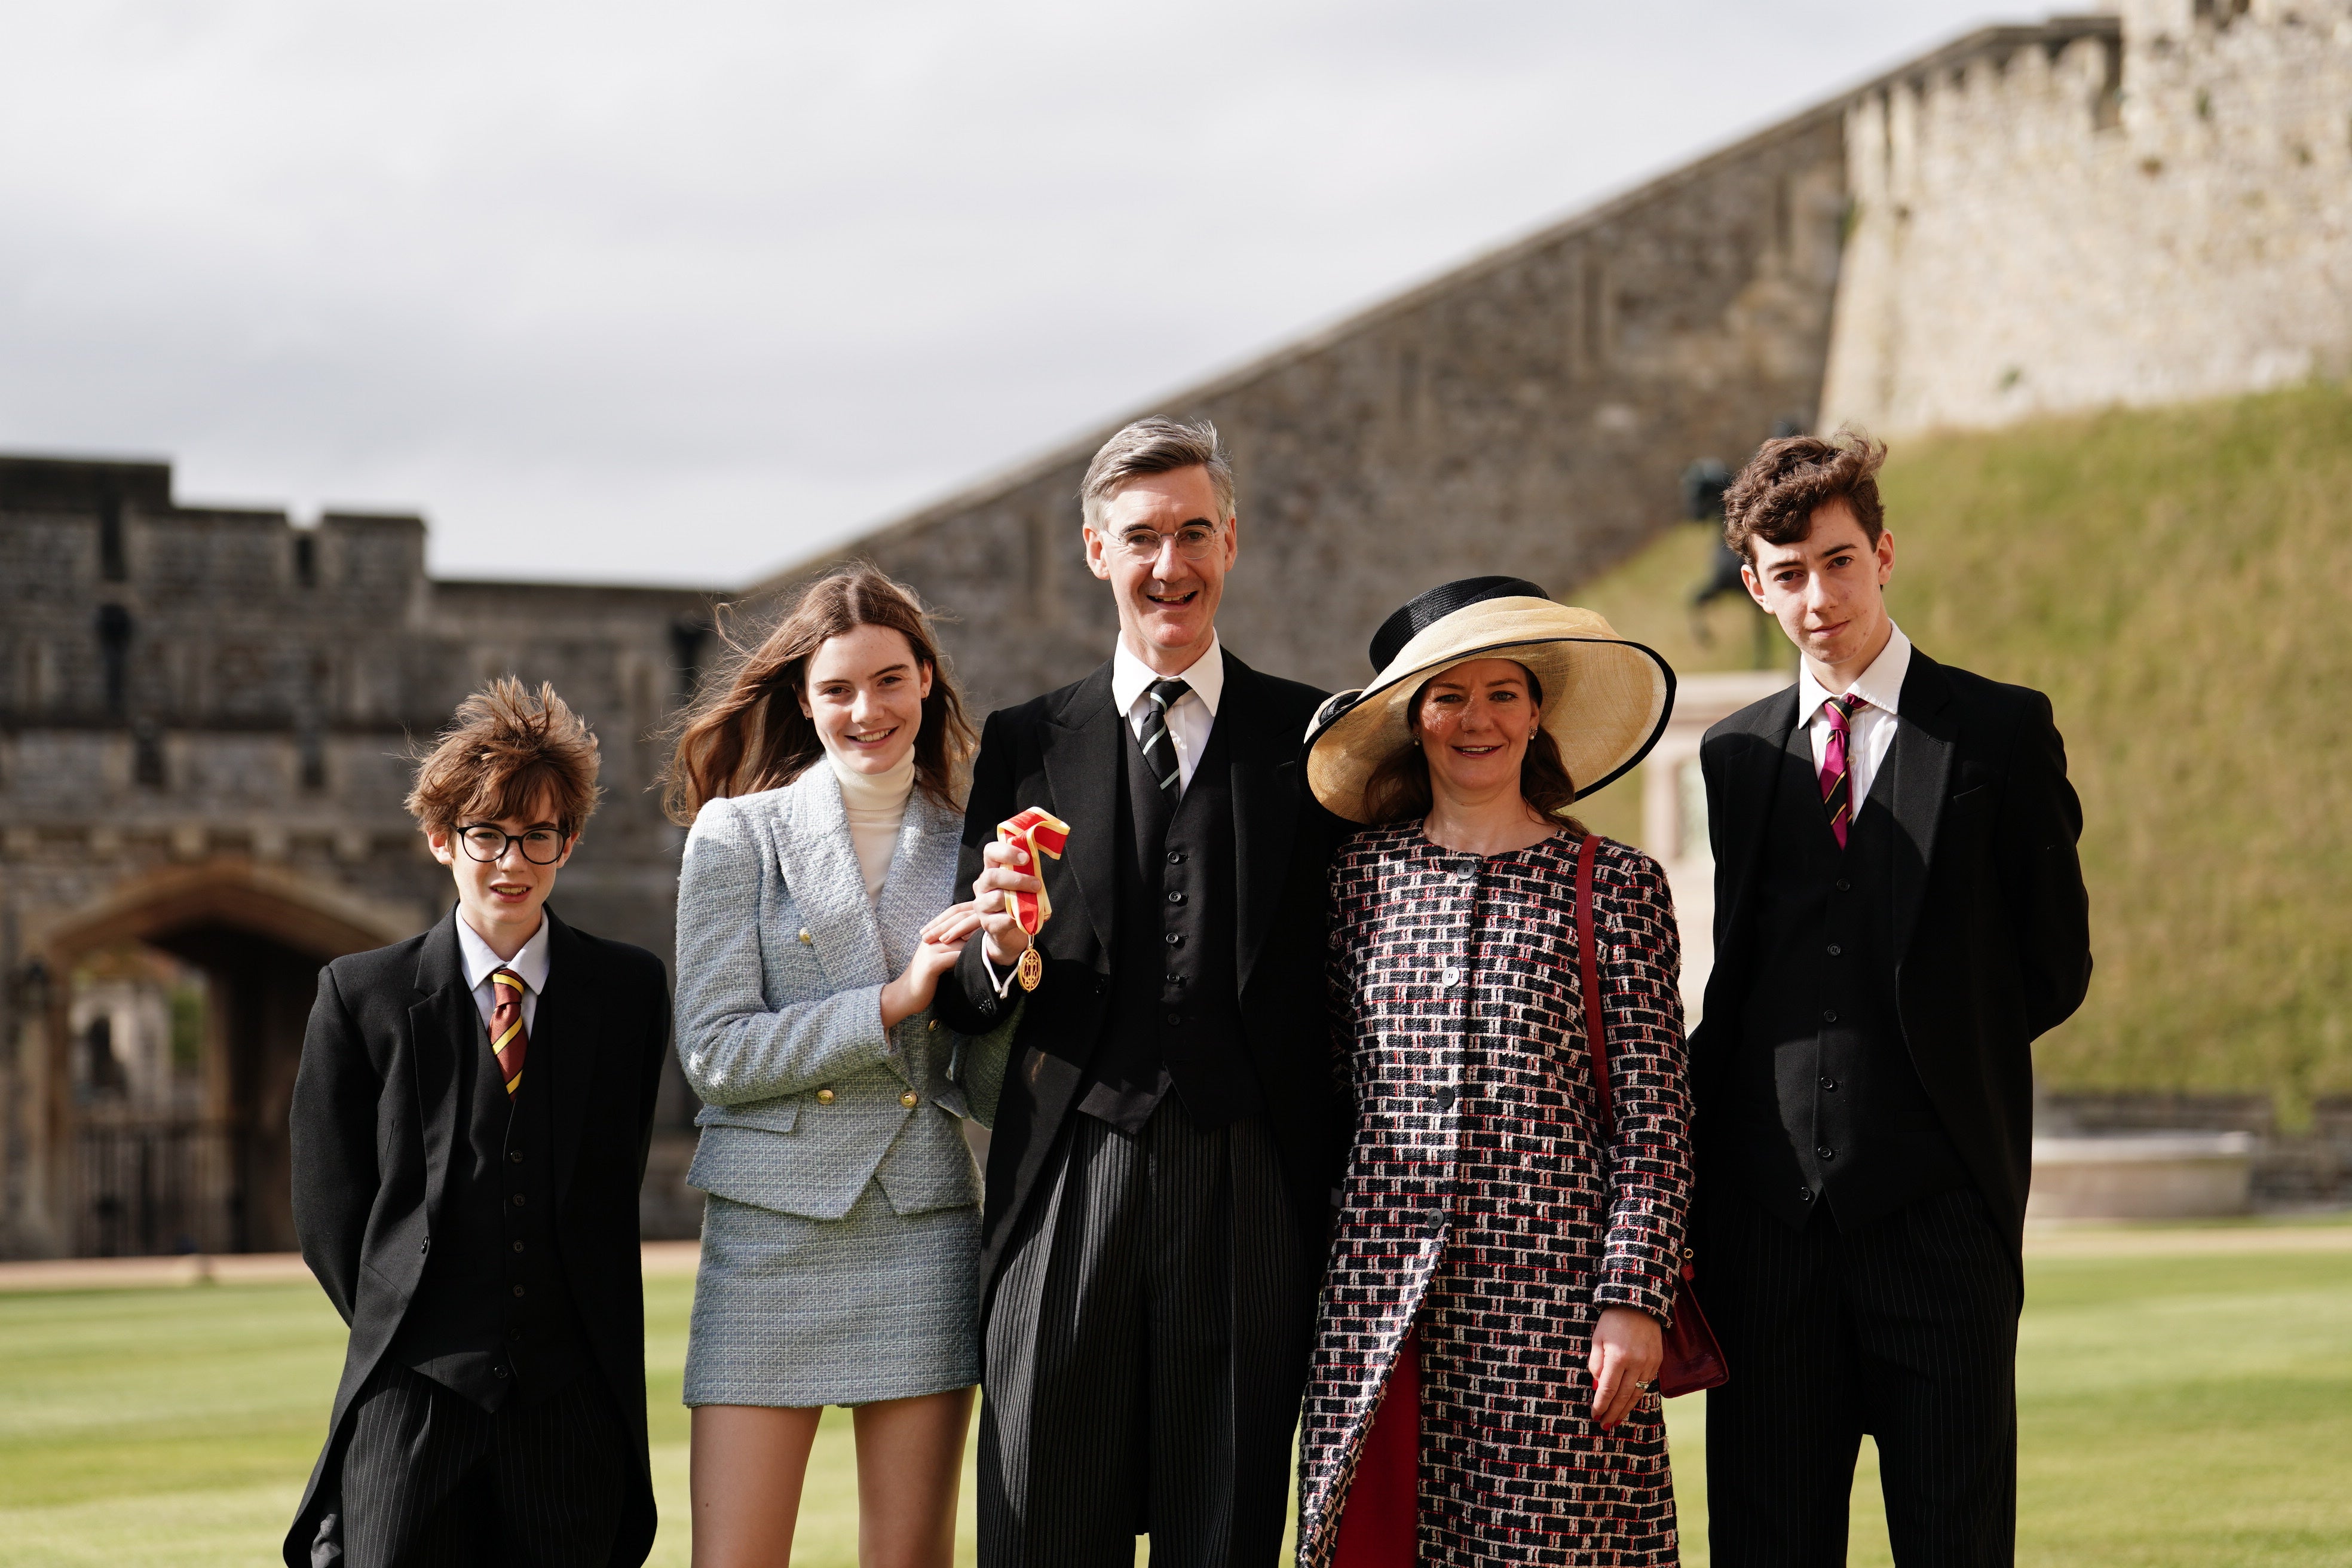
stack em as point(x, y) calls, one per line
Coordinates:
point(746, 732)
point(508, 752)
point(1398, 789)
point(1790, 479)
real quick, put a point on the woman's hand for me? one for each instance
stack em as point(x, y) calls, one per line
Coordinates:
point(940, 945)
point(1627, 1346)
point(1007, 871)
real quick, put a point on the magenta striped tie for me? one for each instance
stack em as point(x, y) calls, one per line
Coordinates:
point(1837, 787)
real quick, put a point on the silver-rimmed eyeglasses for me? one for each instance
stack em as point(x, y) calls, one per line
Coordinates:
point(1142, 546)
point(540, 845)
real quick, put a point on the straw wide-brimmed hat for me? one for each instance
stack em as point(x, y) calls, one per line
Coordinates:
point(1605, 700)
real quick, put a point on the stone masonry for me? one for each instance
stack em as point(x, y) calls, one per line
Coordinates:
point(2136, 209)
point(205, 715)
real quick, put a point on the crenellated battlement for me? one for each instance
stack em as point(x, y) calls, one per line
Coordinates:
point(2139, 208)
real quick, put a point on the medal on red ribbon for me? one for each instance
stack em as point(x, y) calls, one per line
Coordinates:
point(1039, 832)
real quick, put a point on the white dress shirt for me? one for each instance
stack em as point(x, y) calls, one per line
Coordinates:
point(530, 964)
point(1871, 733)
point(1189, 718)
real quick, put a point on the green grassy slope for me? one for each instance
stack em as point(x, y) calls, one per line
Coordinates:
point(2172, 1410)
point(2179, 582)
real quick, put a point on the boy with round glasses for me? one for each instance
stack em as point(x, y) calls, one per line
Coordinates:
point(470, 1123)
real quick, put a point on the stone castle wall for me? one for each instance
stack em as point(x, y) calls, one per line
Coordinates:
point(1529, 414)
point(206, 725)
point(205, 715)
point(2140, 209)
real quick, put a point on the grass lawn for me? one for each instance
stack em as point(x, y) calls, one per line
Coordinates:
point(2188, 1408)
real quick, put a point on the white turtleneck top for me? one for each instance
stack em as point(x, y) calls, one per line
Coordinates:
point(875, 804)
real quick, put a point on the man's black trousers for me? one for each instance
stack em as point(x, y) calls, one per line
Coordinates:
point(1145, 1349)
point(1905, 1329)
point(431, 1480)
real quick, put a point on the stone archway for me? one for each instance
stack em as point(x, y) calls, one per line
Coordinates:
point(209, 1171)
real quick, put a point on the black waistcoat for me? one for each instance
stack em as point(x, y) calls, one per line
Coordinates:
point(1828, 1105)
point(492, 1314)
point(1175, 1015)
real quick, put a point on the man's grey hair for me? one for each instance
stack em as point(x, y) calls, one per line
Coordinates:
point(1156, 445)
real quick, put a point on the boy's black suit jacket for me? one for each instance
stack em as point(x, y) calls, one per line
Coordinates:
point(374, 1121)
point(1062, 751)
point(1991, 930)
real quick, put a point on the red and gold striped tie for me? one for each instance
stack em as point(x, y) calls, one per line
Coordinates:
point(508, 1042)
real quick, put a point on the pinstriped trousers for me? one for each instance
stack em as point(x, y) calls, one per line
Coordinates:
point(1145, 1353)
point(1905, 1329)
point(431, 1480)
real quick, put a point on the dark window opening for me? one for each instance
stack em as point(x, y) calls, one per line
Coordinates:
point(113, 565)
point(306, 561)
point(686, 639)
point(313, 752)
point(114, 653)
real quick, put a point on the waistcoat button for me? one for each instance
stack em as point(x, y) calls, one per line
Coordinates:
point(1175, 898)
point(1829, 1084)
point(1829, 1015)
point(1174, 939)
point(1826, 1152)
point(1835, 950)
point(1174, 1019)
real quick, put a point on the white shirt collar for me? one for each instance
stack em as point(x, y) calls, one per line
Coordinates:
point(1881, 685)
point(1129, 676)
point(531, 962)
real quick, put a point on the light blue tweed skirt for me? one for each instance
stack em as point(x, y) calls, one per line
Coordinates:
point(790, 1311)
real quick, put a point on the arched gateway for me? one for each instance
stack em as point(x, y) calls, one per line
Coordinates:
point(173, 1028)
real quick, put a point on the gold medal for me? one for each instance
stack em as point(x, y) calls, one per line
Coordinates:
point(1031, 969)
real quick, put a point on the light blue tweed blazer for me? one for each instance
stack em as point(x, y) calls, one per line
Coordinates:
point(781, 962)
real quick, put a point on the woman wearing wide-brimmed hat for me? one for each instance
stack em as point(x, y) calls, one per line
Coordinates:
point(1500, 1270)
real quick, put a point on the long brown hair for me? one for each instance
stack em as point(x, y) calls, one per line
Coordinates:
point(1398, 789)
point(746, 732)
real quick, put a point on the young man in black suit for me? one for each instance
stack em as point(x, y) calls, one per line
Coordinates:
point(1167, 1141)
point(470, 1124)
point(1899, 912)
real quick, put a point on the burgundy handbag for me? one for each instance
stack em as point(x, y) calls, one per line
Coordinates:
point(1693, 1360)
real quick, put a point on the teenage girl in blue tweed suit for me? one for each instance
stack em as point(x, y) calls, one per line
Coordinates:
point(841, 1233)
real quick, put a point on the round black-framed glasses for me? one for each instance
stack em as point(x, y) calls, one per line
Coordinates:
point(488, 842)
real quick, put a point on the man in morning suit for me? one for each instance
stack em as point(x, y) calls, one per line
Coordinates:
point(1899, 912)
point(470, 1130)
point(1167, 1141)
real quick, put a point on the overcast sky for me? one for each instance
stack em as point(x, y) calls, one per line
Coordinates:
point(683, 291)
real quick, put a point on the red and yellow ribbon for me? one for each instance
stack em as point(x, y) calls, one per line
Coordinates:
point(1040, 832)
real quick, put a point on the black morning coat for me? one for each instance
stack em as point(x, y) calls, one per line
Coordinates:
point(1991, 933)
point(392, 1037)
point(1062, 751)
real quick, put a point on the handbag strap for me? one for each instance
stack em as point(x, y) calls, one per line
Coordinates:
point(1588, 947)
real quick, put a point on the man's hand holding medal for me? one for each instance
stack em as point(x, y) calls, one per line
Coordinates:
point(1010, 891)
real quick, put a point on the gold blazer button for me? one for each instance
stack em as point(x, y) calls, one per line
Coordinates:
point(824, 1097)
point(804, 935)
point(908, 1100)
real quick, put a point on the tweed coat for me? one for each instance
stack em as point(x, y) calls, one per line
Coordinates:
point(1480, 1202)
point(781, 959)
